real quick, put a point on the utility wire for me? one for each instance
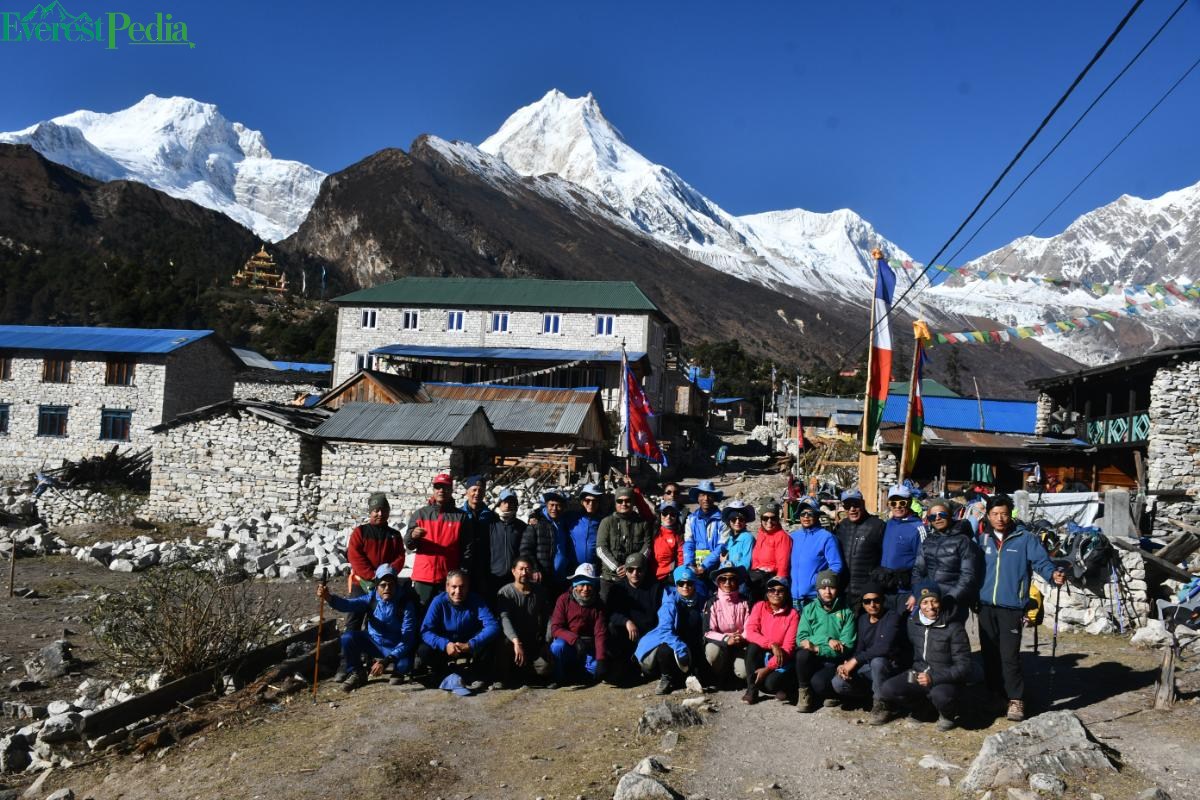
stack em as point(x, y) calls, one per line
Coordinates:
point(1063, 138)
point(1101, 162)
point(1045, 121)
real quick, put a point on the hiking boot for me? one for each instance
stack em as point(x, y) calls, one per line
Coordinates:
point(552, 685)
point(880, 714)
point(832, 702)
point(1016, 711)
point(398, 679)
point(804, 700)
point(478, 686)
point(664, 685)
point(782, 696)
point(946, 723)
point(342, 673)
point(354, 680)
point(750, 697)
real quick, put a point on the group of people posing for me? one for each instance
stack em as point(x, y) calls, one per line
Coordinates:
point(873, 609)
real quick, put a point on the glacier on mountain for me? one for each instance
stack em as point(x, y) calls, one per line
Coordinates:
point(188, 150)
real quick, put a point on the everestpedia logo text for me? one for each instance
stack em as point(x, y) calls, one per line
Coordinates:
point(52, 23)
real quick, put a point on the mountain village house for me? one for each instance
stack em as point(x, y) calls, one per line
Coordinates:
point(67, 393)
point(519, 331)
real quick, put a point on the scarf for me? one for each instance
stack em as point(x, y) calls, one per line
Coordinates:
point(588, 603)
point(924, 620)
point(507, 516)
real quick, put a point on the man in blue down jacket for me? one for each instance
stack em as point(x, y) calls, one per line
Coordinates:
point(901, 542)
point(390, 629)
point(950, 558)
point(459, 627)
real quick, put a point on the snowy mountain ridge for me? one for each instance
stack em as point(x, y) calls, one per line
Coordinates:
point(188, 150)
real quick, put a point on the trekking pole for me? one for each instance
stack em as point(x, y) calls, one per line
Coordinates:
point(1116, 600)
point(1054, 641)
point(12, 563)
point(320, 630)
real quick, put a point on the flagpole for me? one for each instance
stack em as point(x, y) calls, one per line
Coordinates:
point(913, 381)
point(869, 447)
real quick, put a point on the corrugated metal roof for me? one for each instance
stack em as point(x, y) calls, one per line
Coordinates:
point(815, 406)
point(847, 418)
point(525, 410)
point(302, 366)
point(253, 359)
point(96, 340)
point(952, 439)
point(502, 353)
point(929, 388)
point(416, 423)
point(962, 413)
point(294, 418)
point(505, 293)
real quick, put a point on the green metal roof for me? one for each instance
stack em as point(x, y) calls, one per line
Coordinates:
point(505, 293)
point(929, 388)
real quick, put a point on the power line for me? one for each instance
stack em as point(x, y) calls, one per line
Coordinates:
point(1101, 162)
point(1053, 149)
point(1045, 121)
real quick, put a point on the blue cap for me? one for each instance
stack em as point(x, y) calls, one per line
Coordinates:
point(506, 494)
point(900, 491)
point(385, 571)
point(591, 489)
point(668, 505)
point(683, 574)
point(454, 683)
point(780, 580)
point(852, 494)
point(474, 480)
point(706, 487)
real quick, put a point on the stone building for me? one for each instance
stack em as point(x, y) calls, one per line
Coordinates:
point(1139, 417)
point(531, 332)
point(236, 458)
point(289, 382)
point(398, 449)
point(67, 393)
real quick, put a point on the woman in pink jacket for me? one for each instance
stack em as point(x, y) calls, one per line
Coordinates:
point(726, 614)
point(771, 643)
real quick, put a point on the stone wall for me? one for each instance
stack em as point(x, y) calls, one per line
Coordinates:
point(85, 395)
point(1173, 455)
point(887, 471)
point(62, 507)
point(351, 471)
point(1100, 607)
point(1045, 405)
point(197, 375)
point(272, 392)
point(230, 465)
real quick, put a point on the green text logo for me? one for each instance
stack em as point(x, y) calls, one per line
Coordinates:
point(53, 23)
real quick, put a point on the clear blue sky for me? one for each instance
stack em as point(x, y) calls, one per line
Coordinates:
point(903, 111)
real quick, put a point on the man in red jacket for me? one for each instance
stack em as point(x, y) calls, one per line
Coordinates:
point(435, 533)
point(370, 546)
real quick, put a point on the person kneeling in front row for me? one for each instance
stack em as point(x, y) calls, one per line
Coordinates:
point(941, 660)
point(674, 648)
point(824, 639)
point(877, 653)
point(458, 634)
point(390, 635)
point(579, 630)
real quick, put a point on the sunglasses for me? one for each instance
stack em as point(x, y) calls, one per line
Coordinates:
point(939, 515)
point(634, 569)
point(774, 590)
point(852, 504)
point(587, 499)
point(806, 514)
point(871, 601)
point(897, 503)
point(623, 501)
point(669, 491)
point(769, 517)
point(726, 579)
point(685, 583)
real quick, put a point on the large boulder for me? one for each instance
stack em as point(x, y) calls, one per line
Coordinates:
point(1054, 743)
point(658, 718)
point(52, 661)
point(14, 753)
point(635, 786)
point(61, 728)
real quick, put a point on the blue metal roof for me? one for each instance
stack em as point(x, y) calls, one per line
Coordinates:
point(962, 413)
point(301, 366)
point(502, 353)
point(96, 340)
point(726, 401)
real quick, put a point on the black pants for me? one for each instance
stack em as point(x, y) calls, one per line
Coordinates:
point(900, 688)
point(354, 619)
point(775, 681)
point(477, 666)
point(1000, 643)
point(815, 671)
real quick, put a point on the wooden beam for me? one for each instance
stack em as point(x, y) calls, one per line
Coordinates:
point(1166, 567)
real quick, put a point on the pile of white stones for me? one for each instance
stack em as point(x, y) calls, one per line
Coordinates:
point(264, 545)
point(35, 540)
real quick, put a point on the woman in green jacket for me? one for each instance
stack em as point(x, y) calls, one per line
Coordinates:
point(825, 638)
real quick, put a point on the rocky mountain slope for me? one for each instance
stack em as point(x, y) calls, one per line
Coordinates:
point(186, 149)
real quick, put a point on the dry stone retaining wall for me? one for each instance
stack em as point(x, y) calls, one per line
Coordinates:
point(351, 471)
point(1174, 450)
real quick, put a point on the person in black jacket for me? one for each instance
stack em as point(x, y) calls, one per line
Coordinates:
point(860, 537)
point(544, 543)
point(941, 660)
point(878, 652)
point(632, 612)
point(504, 534)
point(950, 558)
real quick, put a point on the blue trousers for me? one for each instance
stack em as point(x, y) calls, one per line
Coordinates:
point(357, 644)
point(873, 675)
point(568, 662)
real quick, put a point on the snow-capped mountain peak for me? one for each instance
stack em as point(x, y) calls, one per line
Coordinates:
point(186, 149)
point(794, 250)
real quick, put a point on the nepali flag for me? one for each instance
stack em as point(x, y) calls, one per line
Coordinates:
point(636, 412)
point(879, 376)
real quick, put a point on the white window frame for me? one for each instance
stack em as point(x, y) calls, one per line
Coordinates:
point(460, 316)
point(603, 322)
point(363, 361)
point(369, 319)
point(412, 315)
point(552, 323)
point(499, 322)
